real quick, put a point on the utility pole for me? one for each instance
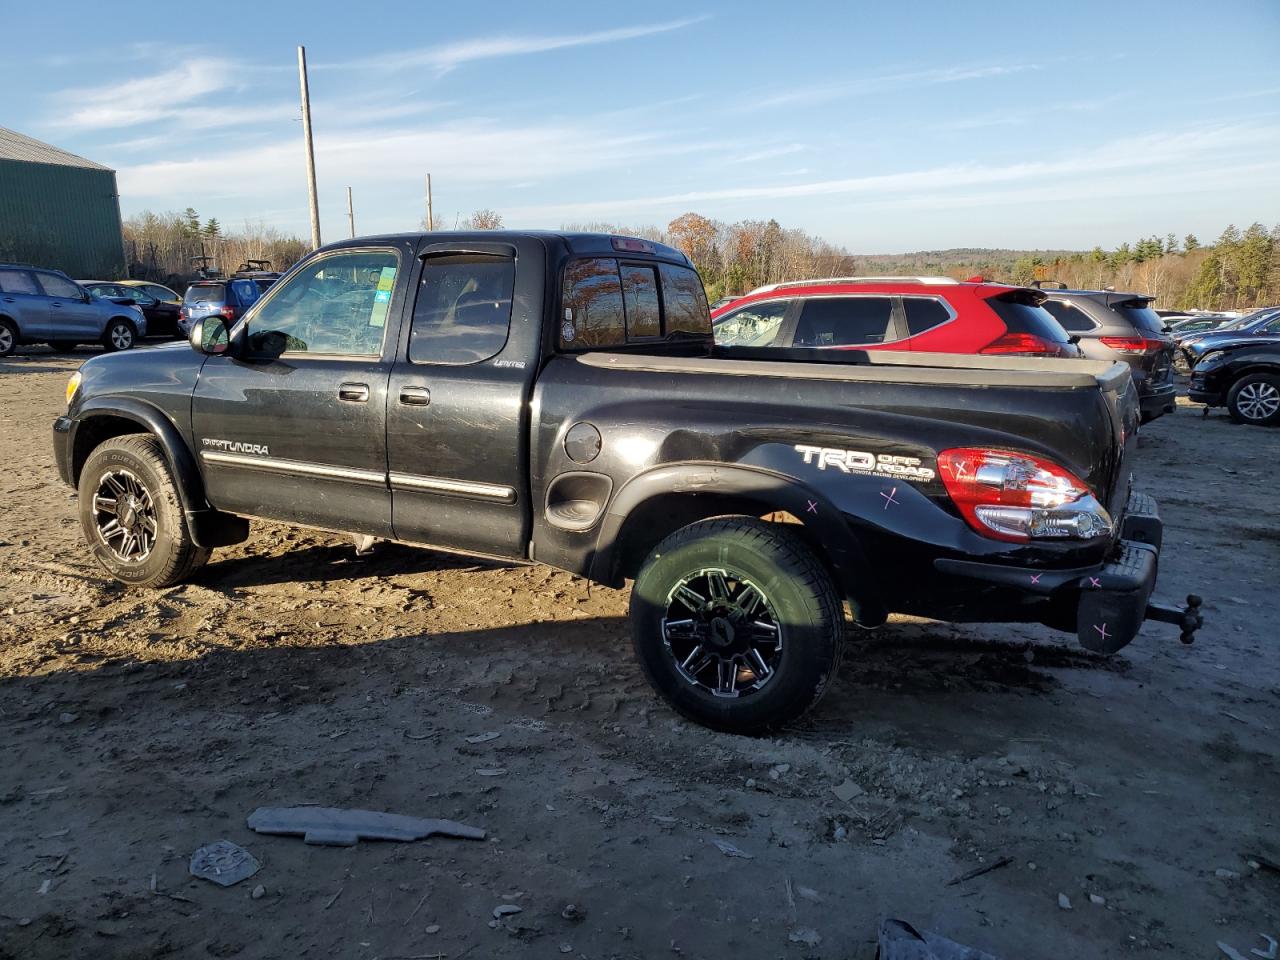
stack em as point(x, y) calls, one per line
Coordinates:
point(431, 222)
point(311, 154)
point(351, 214)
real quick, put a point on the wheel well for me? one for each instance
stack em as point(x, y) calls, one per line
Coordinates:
point(95, 431)
point(129, 320)
point(658, 517)
point(1250, 371)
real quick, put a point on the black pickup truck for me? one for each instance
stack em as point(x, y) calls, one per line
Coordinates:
point(559, 398)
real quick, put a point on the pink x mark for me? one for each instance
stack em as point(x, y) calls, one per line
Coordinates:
point(1035, 577)
point(1102, 630)
point(813, 506)
point(1095, 582)
point(889, 497)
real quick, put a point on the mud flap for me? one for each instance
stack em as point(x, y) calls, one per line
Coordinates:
point(1113, 602)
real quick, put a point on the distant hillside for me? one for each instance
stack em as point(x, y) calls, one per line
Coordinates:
point(992, 260)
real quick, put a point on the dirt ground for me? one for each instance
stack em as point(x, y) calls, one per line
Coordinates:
point(135, 727)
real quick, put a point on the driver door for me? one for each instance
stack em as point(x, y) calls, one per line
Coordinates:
point(291, 423)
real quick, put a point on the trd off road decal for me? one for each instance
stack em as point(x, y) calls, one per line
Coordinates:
point(865, 464)
point(235, 446)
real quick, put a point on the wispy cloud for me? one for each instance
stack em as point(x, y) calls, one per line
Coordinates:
point(1136, 156)
point(767, 154)
point(824, 93)
point(445, 57)
point(145, 99)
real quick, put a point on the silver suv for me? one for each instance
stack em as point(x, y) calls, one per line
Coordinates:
point(47, 306)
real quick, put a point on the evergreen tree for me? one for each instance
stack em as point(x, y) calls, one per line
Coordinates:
point(212, 228)
point(1190, 243)
point(1170, 244)
point(191, 222)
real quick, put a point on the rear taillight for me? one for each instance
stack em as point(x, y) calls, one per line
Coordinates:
point(1020, 497)
point(1139, 345)
point(1024, 344)
point(228, 312)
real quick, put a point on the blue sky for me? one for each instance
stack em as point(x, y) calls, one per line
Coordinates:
point(881, 126)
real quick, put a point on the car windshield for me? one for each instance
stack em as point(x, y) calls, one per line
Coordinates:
point(1248, 320)
point(205, 292)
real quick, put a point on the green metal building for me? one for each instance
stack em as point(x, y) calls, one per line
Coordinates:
point(58, 210)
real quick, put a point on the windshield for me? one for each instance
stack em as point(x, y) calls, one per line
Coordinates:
point(206, 292)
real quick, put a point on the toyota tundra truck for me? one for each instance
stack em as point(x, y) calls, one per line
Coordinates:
point(558, 398)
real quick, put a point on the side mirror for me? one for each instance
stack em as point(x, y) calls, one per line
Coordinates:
point(209, 336)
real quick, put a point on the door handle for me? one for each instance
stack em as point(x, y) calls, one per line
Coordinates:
point(8, 300)
point(415, 396)
point(56, 304)
point(353, 392)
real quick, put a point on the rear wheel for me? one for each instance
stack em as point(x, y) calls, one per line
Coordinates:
point(8, 337)
point(119, 335)
point(737, 624)
point(131, 515)
point(1255, 399)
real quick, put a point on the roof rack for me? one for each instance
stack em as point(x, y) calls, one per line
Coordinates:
point(930, 281)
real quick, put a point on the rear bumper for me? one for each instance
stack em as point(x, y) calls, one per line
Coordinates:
point(1154, 401)
point(1105, 604)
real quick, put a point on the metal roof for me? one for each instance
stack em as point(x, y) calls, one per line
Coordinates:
point(15, 146)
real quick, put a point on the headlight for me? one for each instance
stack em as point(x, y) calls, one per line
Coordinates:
point(72, 386)
point(1210, 358)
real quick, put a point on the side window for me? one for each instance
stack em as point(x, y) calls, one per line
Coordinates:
point(640, 296)
point(56, 286)
point(685, 301)
point(593, 313)
point(18, 281)
point(844, 321)
point(462, 313)
point(1072, 318)
point(753, 326)
point(335, 305)
point(924, 313)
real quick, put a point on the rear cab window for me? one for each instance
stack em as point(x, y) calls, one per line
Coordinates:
point(611, 302)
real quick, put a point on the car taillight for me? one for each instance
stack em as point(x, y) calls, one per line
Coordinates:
point(1025, 344)
point(228, 312)
point(1020, 497)
point(1141, 345)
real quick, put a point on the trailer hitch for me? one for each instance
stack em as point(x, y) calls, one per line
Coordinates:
point(1188, 618)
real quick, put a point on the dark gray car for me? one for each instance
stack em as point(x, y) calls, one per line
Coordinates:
point(1121, 326)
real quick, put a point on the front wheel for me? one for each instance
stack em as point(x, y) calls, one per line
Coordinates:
point(120, 335)
point(1255, 399)
point(8, 337)
point(737, 624)
point(131, 515)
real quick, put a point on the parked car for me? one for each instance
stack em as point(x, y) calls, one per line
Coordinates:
point(1260, 323)
point(1121, 326)
point(1202, 323)
point(162, 315)
point(46, 306)
point(228, 299)
point(389, 392)
point(929, 314)
point(1243, 376)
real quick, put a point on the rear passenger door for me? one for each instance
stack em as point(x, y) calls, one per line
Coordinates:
point(846, 322)
point(72, 315)
point(22, 299)
point(457, 405)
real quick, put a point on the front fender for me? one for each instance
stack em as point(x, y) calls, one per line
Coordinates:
point(823, 523)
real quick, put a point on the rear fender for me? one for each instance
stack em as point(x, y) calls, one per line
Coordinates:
point(716, 489)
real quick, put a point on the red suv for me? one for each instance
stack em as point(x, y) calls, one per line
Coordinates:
point(936, 314)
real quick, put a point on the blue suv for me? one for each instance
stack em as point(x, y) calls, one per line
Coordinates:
point(47, 306)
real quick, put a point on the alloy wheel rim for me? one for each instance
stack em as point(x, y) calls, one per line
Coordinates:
point(124, 515)
point(6, 339)
point(722, 633)
point(121, 337)
point(1258, 401)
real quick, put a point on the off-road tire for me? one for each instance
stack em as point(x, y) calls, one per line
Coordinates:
point(174, 557)
point(113, 341)
point(63, 346)
point(798, 587)
point(8, 337)
point(1250, 399)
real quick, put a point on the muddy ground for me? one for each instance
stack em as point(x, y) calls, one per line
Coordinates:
point(135, 727)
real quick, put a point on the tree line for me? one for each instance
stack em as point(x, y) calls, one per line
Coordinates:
point(165, 246)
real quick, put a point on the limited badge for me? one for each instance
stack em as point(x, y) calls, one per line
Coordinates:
point(567, 331)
